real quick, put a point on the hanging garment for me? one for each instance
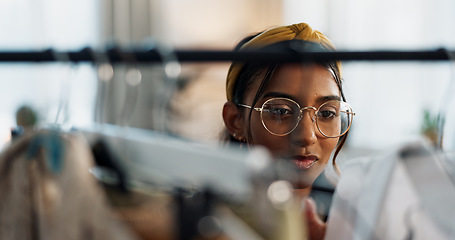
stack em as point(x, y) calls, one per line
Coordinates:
point(187, 190)
point(405, 193)
point(47, 192)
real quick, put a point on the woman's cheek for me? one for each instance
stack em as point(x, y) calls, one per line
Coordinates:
point(328, 146)
point(277, 145)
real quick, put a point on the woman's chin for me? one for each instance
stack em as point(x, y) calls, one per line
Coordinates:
point(302, 192)
point(303, 183)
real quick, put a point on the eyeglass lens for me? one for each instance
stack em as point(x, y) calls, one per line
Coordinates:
point(281, 116)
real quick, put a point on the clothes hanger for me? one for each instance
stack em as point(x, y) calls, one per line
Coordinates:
point(62, 112)
point(133, 79)
point(171, 69)
point(105, 73)
point(110, 164)
point(109, 168)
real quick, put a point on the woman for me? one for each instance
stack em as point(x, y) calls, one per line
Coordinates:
point(296, 110)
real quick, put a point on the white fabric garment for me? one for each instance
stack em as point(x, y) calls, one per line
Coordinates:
point(402, 194)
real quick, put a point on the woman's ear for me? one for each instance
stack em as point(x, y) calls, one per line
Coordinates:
point(233, 119)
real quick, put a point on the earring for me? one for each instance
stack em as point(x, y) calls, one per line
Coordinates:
point(242, 141)
point(237, 137)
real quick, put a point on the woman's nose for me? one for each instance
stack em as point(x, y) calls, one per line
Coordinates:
point(305, 133)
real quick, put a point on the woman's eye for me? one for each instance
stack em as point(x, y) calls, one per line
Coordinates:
point(326, 114)
point(279, 111)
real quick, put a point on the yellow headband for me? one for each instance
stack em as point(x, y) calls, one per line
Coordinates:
point(300, 31)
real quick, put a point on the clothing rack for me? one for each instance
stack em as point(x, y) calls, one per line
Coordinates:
point(117, 55)
point(166, 163)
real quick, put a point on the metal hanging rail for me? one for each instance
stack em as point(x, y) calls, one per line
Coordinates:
point(116, 55)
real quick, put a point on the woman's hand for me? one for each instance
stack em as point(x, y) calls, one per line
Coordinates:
point(316, 227)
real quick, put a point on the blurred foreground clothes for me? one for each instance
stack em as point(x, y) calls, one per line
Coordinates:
point(47, 192)
point(404, 193)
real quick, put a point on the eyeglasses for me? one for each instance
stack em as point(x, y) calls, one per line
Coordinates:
point(281, 116)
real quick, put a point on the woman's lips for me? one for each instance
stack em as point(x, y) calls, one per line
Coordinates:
point(304, 162)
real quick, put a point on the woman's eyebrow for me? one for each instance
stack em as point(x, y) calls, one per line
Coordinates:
point(320, 100)
point(324, 99)
point(279, 94)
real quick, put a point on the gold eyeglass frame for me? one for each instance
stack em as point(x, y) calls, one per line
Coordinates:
point(313, 117)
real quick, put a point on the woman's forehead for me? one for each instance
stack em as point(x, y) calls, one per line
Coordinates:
point(303, 81)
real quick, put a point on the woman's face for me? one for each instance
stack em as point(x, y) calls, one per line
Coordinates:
point(306, 147)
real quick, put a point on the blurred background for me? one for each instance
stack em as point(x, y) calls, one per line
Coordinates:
point(395, 102)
